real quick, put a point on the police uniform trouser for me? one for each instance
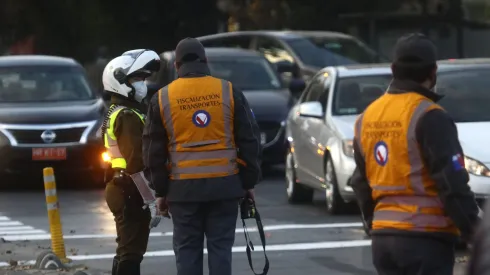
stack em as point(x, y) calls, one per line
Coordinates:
point(132, 225)
point(192, 221)
point(402, 255)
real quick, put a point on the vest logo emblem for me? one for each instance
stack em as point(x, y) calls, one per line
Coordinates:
point(381, 153)
point(201, 118)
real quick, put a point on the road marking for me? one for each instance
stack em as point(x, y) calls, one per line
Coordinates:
point(236, 249)
point(4, 218)
point(16, 228)
point(10, 223)
point(35, 231)
point(168, 234)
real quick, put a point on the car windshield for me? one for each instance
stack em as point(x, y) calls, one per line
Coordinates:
point(246, 73)
point(353, 94)
point(465, 93)
point(329, 51)
point(43, 83)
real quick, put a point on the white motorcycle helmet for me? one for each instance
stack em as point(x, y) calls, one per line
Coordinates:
point(131, 64)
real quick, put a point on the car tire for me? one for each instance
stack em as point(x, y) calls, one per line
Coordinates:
point(296, 192)
point(334, 202)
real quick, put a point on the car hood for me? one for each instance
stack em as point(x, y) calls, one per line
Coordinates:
point(51, 112)
point(344, 125)
point(474, 137)
point(269, 105)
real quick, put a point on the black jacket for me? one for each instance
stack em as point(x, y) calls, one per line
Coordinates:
point(437, 136)
point(246, 133)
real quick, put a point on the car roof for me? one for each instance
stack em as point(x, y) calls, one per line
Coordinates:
point(219, 53)
point(36, 60)
point(384, 68)
point(278, 34)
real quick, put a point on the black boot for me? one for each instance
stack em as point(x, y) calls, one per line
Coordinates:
point(115, 264)
point(128, 268)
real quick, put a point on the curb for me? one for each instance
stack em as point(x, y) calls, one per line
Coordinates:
point(48, 263)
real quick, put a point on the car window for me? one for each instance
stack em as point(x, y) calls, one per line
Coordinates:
point(316, 91)
point(43, 83)
point(229, 42)
point(466, 95)
point(331, 51)
point(353, 94)
point(273, 50)
point(246, 73)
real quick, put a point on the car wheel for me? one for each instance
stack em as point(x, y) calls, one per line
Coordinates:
point(295, 191)
point(334, 201)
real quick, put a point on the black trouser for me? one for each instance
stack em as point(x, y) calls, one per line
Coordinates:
point(192, 221)
point(402, 255)
point(132, 223)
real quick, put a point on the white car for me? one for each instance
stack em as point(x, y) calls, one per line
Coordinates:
point(320, 127)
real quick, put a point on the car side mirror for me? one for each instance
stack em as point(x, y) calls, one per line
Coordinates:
point(296, 86)
point(311, 109)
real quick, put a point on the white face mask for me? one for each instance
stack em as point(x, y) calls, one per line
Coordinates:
point(140, 90)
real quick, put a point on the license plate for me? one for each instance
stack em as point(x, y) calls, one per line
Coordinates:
point(58, 153)
point(263, 138)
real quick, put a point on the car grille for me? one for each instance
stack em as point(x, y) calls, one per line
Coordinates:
point(34, 136)
point(270, 129)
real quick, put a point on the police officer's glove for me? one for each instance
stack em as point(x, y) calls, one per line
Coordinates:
point(155, 215)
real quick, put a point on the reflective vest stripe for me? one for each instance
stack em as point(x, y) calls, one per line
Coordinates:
point(419, 201)
point(416, 162)
point(117, 159)
point(113, 149)
point(225, 91)
point(177, 156)
point(166, 115)
point(182, 156)
point(357, 134)
point(421, 221)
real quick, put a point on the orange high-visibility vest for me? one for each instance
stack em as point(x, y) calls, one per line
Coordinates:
point(406, 197)
point(198, 116)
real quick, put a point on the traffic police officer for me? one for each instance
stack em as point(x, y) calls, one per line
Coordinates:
point(202, 153)
point(411, 183)
point(124, 77)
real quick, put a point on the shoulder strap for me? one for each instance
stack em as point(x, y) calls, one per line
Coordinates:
point(250, 246)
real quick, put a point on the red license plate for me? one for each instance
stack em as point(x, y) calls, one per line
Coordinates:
point(58, 153)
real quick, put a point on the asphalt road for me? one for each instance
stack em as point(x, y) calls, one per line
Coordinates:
point(300, 238)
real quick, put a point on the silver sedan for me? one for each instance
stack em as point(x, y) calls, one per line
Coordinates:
point(320, 127)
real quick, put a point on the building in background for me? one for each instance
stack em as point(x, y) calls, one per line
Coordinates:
point(460, 28)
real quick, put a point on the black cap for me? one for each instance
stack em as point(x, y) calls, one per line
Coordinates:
point(415, 48)
point(189, 46)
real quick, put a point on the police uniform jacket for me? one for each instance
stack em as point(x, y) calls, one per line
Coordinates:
point(128, 129)
point(156, 153)
point(437, 139)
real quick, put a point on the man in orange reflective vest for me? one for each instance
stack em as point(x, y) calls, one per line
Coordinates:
point(411, 183)
point(202, 154)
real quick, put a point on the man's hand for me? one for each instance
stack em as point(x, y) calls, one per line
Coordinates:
point(163, 207)
point(155, 215)
point(250, 194)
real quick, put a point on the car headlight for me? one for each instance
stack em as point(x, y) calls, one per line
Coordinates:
point(348, 148)
point(475, 167)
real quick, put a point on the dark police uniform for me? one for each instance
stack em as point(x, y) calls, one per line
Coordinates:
point(122, 196)
point(202, 152)
point(410, 180)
